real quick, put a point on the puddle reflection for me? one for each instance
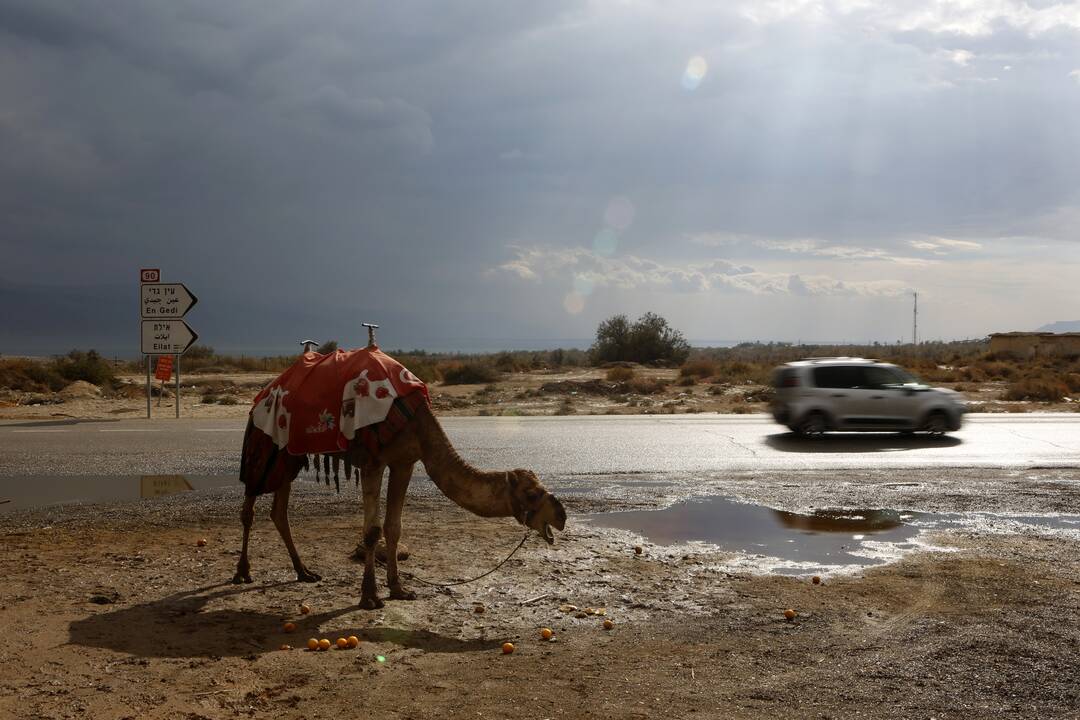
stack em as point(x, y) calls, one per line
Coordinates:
point(804, 543)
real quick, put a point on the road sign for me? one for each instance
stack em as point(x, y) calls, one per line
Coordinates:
point(165, 300)
point(163, 368)
point(150, 275)
point(166, 337)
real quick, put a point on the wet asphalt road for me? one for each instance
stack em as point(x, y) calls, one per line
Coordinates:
point(675, 445)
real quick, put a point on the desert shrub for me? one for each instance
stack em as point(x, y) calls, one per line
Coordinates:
point(620, 374)
point(210, 398)
point(1042, 388)
point(87, 366)
point(467, 373)
point(972, 373)
point(30, 376)
point(646, 386)
point(686, 381)
point(739, 371)
point(998, 370)
point(648, 340)
point(566, 407)
point(228, 400)
point(327, 347)
point(699, 368)
point(513, 362)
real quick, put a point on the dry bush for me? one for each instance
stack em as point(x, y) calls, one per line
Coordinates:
point(738, 371)
point(467, 373)
point(998, 369)
point(972, 373)
point(620, 374)
point(646, 386)
point(1042, 388)
point(699, 368)
point(687, 381)
point(30, 376)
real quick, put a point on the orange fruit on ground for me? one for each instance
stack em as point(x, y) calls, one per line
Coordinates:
point(508, 648)
point(324, 644)
point(546, 633)
point(790, 614)
point(304, 608)
point(312, 644)
point(201, 542)
point(608, 624)
point(342, 643)
point(285, 647)
point(289, 627)
point(353, 641)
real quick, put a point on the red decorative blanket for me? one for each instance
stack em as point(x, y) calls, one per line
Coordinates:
point(318, 405)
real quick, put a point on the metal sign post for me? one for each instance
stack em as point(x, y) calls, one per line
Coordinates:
point(178, 386)
point(147, 359)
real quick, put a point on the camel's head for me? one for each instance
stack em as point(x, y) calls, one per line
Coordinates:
point(534, 506)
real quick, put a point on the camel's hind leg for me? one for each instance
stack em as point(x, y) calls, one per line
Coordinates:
point(400, 475)
point(371, 481)
point(280, 514)
point(247, 517)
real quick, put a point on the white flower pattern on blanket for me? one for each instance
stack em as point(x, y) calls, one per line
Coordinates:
point(364, 402)
point(272, 417)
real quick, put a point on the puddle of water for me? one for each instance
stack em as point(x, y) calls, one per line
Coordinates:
point(825, 539)
point(788, 543)
point(26, 492)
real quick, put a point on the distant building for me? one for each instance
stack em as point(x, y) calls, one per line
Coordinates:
point(1028, 345)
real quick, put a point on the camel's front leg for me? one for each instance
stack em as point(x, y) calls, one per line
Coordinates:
point(247, 517)
point(280, 515)
point(400, 475)
point(371, 481)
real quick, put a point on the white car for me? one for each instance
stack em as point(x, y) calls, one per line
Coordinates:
point(820, 394)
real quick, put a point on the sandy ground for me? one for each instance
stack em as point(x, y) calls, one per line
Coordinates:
point(573, 391)
point(115, 612)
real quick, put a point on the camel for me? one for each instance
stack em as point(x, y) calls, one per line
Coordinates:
point(510, 493)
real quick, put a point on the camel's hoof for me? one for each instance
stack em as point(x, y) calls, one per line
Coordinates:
point(240, 578)
point(370, 603)
point(306, 576)
point(402, 594)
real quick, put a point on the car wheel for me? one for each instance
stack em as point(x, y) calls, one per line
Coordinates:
point(937, 424)
point(813, 425)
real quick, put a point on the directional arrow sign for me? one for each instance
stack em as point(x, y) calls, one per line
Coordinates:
point(166, 337)
point(165, 300)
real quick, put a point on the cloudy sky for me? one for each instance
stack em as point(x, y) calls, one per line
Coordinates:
point(484, 173)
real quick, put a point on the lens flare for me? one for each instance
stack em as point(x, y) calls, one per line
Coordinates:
point(574, 303)
point(619, 214)
point(695, 72)
point(583, 285)
point(606, 242)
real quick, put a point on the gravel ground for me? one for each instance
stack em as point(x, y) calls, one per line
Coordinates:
point(114, 611)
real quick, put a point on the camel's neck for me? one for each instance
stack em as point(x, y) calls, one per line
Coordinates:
point(483, 493)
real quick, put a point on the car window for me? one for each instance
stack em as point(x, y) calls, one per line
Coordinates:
point(838, 376)
point(876, 376)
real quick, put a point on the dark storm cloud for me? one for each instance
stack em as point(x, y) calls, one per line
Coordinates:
point(304, 167)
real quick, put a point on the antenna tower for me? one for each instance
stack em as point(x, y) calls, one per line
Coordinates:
point(915, 321)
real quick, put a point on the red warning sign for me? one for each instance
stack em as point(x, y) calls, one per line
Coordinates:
point(163, 368)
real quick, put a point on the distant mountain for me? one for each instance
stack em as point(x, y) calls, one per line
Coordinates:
point(1061, 326)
